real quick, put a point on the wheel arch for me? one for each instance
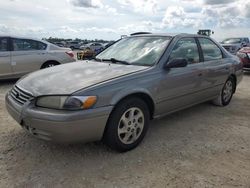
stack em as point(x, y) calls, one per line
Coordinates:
point(146, 97)
point(233, 76)
point(139, 94)
point(49, 61)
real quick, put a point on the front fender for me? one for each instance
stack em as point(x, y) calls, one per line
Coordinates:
point(127, 92)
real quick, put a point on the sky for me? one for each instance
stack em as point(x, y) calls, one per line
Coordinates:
point(109, 19)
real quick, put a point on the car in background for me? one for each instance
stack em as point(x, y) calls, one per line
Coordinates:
point(114, 96)
point(85, 54)
point(19, 56)
point(73, 45)
point(244, 55)
point(95, 46)
point(60, 44)
point(233, 45)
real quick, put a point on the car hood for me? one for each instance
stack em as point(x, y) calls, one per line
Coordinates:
point(69, 78)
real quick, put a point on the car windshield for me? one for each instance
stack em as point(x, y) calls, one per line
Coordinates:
point(145, 51)
point(231, 41)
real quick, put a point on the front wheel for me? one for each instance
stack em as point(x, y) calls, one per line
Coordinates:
point(127, 125)
point(226, 94)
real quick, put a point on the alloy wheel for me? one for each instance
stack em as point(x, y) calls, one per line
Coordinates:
point(131, 125)
point(227, 91)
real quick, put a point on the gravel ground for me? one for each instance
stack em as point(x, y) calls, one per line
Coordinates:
point(203, 146)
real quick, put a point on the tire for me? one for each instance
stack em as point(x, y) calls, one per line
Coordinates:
point(226, 93)
point(127, 125)
point(49, 64)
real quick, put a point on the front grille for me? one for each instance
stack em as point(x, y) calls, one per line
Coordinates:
point(20, 96)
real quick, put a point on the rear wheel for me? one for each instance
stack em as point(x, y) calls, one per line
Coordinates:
point(226, 94)
point(49, 64)
point(127, 125)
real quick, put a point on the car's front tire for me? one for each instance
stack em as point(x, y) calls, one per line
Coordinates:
point(127, 125)
point(226, 93)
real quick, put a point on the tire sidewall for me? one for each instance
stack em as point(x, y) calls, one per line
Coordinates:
point(46, 65)
point(111, 134)
point(225, 103)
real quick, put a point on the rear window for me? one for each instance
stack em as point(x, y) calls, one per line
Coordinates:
point(210, 50)
point(28, 45)
point(3, 44)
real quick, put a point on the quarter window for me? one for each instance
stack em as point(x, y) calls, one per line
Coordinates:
point(186, 48)
point(28, 45)
point(3, 44)
point(210, 50)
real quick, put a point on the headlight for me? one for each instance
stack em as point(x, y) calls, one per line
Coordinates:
point(66, 102)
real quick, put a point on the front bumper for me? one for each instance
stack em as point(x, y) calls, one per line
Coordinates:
point(58, 125)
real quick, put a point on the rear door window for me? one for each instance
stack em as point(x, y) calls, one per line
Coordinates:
point(27, 45)
point(3, 44)
point(210, 50)
point(186, 48)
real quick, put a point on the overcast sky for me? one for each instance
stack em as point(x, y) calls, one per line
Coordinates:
point(108, 19)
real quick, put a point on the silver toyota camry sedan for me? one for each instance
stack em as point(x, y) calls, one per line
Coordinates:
point(113, 97)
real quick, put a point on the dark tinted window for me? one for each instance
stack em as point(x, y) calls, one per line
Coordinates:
point(27, 45)
point(210, 50)
point(186, 48)
point(3, 44)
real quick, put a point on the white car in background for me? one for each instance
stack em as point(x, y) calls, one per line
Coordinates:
point(95, 46)
point(19, 56)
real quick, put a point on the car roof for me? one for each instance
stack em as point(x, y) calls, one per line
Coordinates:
point(21, 37)
point(172, 35)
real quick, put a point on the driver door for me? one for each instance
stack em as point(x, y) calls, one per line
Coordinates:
point(180, 87)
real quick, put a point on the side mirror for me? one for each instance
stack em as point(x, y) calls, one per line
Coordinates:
point(176, 63)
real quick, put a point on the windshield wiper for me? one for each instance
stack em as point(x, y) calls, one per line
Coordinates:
point(113, 60)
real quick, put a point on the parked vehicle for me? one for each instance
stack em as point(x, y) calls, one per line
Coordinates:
point(85, 54)
point(19, 56)
point(233, 45)
point(60, 44)
point(74, 45)
point(113, 97)
point(244, 55)
point(96, 47)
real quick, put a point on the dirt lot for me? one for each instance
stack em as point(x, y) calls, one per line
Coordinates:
point(204, 146)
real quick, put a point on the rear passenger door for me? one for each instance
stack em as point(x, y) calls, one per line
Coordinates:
point(5, 67)
point(216, 67)
point(27, 55)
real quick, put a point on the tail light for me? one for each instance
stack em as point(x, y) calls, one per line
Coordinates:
point(70, 53)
